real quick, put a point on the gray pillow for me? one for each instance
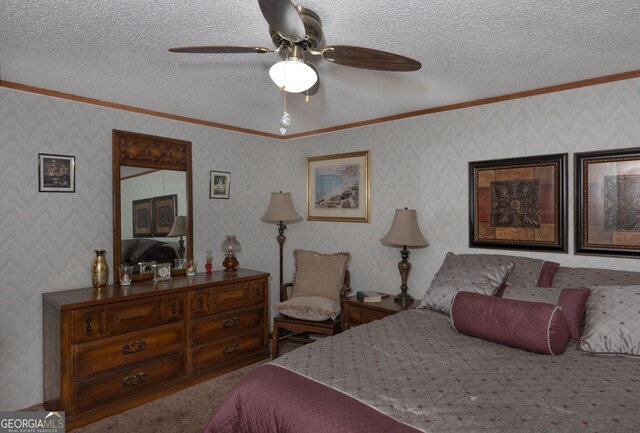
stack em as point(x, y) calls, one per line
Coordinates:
point(313, 308)
point(612, 321)
point(526, 271)
point(469, 272)
point(589, 277)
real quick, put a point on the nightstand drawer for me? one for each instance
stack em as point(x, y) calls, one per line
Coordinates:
point(116, 352)
point(362, 315)
point(92, 393)
point(221, 326)
point(217, 354)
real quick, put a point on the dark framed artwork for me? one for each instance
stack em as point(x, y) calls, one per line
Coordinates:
point(519, 203)
point(338, 187)
point(142, 211)
point(164, 214)
point(56, 173)
point(607, 202)
point(219, 184)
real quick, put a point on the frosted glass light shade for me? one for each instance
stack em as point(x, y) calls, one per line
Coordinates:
point(294, 74)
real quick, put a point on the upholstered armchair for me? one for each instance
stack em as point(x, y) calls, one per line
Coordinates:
point(311, 303)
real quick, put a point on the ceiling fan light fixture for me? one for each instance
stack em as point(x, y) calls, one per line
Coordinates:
point(293, 74)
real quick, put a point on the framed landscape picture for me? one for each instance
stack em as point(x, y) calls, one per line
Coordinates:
point(164, 214)
point(519, 203)
point(219, 184)
point(607, 202)
point(142, 218)
point(56, 173)
point(338, 187)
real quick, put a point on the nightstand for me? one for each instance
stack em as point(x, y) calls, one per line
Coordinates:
point(355, 312)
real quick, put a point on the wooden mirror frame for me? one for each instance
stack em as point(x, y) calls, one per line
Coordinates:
point(141, 150)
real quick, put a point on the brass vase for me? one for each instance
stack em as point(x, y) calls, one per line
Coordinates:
point(99, 270)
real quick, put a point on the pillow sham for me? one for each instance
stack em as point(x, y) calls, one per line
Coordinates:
point(319, 274)
point(477, 273)
point(533, 326)
point(612, 321)
point(589, 277)
point(313, 308)
point(573, 302)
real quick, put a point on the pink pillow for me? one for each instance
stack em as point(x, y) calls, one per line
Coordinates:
point(572, 301)
point(532, 326)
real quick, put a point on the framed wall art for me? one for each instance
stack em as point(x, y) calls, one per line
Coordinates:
point(219, 184)
point(142, 227)
point(56, 173)
point(164, 214)
point(338, 187)
point(607, 202)
point(519, 203)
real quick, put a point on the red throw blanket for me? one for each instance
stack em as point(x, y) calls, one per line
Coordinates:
point(275, 400)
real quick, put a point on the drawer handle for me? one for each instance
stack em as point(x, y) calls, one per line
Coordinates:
point(134, 380)
point(87, 324)
point(200, 303)
point(230, 323)
point(134, 347)
point(230, 348)
point(257, 290)
point(174, 307)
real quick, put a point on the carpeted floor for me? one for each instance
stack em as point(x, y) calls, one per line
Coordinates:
point(186, 411)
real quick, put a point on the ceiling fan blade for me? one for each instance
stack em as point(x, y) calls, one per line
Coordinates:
point(283, 17)
point(367, 58)
point(220, 49)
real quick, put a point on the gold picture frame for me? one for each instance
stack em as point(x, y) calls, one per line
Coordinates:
point(339, 187)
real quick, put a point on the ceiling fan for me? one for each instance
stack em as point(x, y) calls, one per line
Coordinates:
point(297, 31)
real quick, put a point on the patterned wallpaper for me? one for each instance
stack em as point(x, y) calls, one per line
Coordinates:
point(420, 163)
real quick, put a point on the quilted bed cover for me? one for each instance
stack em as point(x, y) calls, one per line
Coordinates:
point(413, 372)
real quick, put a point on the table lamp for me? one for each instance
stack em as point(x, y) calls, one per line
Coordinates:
point(179, 228)
point(404, 232)
point(230, 246)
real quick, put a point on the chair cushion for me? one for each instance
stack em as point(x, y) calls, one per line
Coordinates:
point(319, 274)
point(313, 308)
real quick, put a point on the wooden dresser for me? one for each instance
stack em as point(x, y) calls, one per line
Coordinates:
point(109, 350)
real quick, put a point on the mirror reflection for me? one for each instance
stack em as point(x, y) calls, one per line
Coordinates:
point(153, 217)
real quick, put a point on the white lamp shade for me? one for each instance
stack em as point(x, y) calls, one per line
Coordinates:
point(294, 75)
point(405, 231)
point(179, 227)
point(281, 209)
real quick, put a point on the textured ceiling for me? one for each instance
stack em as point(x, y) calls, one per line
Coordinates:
point(116, 50)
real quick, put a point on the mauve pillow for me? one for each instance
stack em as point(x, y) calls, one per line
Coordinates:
point(532, 326)
point(572, 301)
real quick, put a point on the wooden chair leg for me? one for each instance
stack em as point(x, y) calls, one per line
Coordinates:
point(275, 337)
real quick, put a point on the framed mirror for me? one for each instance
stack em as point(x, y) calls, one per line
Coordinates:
point(152, 203)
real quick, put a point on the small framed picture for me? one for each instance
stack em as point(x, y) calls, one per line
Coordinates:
point(142, 218)
point(56, 173)
point(219, 183)
point(164, 214)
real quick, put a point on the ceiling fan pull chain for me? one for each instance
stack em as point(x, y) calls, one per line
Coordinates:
point(286, 117)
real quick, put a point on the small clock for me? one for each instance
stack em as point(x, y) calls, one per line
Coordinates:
point(162, 271)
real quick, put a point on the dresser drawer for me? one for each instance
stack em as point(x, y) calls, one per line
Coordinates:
point(231, 296)
point(221, 326)
point(217, 354)
point(131, 316)
point(114, 352)
point(124, 383)
point(86, 324)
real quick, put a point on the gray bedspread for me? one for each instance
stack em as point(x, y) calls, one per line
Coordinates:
point(416, 368)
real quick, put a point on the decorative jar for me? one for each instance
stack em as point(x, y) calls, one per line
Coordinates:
point(99, 270)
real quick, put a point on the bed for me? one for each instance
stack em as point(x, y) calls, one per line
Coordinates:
point(413, 372)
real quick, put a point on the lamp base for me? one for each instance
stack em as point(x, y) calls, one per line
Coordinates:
point(230, 264)
point(403, 297)
point(404, 267)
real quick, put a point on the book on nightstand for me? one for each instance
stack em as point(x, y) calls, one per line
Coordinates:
point(369, 296)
